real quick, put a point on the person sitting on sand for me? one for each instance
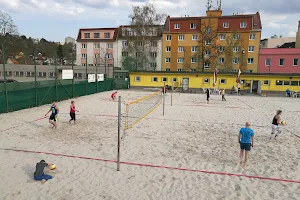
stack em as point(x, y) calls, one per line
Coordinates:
point(246, 140)
point(39, 172)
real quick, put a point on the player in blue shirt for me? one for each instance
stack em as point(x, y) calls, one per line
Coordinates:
point(54, 111)
point(246, 140)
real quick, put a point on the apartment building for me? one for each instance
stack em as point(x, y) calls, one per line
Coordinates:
point(213, 41)
point(298, 36)
point(146, 41)
point(96, 46)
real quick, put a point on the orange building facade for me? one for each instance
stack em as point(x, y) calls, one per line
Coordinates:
point(233, 42)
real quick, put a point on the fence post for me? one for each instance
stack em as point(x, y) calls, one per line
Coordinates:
point(56, 93)
point(164, 98)
point(96, 74)
point(113, 74)
point(119, 130)
point(4, 75)
point(172, 93)
point(73, 75)
point(35, 77)
point(86, 74)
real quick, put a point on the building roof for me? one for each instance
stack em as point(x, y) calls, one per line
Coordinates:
point(95, 29)
point(279, 51)
point(288, 45)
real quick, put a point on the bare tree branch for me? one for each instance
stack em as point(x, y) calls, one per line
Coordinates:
point(7, 25)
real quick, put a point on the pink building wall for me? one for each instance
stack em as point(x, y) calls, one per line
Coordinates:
point(275, 54)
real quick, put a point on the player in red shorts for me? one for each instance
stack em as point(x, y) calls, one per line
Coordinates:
point(113, 95)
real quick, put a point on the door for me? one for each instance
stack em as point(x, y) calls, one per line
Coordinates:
point(259, 87)
point(254, 86)
point(185, 84)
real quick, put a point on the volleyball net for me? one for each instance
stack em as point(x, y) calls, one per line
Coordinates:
point(137, 110)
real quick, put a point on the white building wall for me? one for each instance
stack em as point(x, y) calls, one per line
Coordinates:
point(90, 53)
point(119, 53)
point(159, 55)
point(78, 53)
point(115, 54)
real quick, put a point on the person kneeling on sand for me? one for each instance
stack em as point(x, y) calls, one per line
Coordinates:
point(39, 172)
point(246, 140)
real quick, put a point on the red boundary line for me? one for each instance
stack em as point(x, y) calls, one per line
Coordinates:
point(159, 166)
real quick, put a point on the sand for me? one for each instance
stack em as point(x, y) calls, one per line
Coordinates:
point(192, 134)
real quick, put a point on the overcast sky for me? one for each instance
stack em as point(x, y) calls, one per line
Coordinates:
point(56, 19)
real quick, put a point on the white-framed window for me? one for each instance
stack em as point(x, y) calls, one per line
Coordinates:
point(168, 69)
point(42, 74)
point(207, 42)
point(180, 49)
point(124, 43)
point(193, 70)
point(179, 70)
point(110, 45)
point(225, 24)
point(236, 49)
point(83, 46)
point(206, 65)
point(164, 79)
point(137, 79)
point(97, 46)
point(296, 62)
point(281, 61)
point(266, 82)
point(222, 36)
point(206, 80)
point(221, 48)
point(243, 24)
point(222, 81)
point(168, 60)
point(180, 60)
point(87, 35)
point(235, 60)
point(168, 49)
point(207, 53)
point(169, 37)
point(96, 55)
point(176, 26)
point(153, 43)
point(252, 36)
point(29, 74)
point(250, 60)
point(251, 49)
point(53, 74)
point(19, 74)
point(192, 26)
point(268, 62)
point(153, 54)
point(83, 55)
point(180, 37)
point(193, 60)
point(194, 37)
point(174, 79)
point(106, 35)
point(153, 65)
point(96, 35)
point(208, 30)
point(237, 36)
point(193, 48)
point(221, 60)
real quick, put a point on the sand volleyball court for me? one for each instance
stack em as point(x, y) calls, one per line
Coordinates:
point(191, 152)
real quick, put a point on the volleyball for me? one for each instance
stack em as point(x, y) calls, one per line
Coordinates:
point(283, 122)
point(52, 167)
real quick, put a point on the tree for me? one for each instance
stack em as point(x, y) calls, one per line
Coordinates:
point(142, 37)
point(60, 53)
point(276, 36)
point(207, 51)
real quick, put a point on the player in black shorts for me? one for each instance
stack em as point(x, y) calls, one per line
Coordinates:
point(54, 111)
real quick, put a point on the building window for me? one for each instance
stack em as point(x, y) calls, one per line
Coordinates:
point(294, 83)
point(279, 82)
point(221, 60)
point(29, 74)
point(168, 69)
point(154, 79)
point(153, 43)
point(222, 36)
point(96, 35)
point(96, 55)
point(221, 48)
point(153, 54)
point(193, 60)
point(124, 44)
point(194, 48)
point(53, 74)
point(169, 37)
point(237, 36)
point(206, 65)
point(222, 81)
point(164, 79)
point(251, 49)
point(110, 46)
point(83, 55)
point(137, 79)
point(176, 26)
point(168, 49)
point(180, 49)
point(225, 24)
point(252, 36)
point(296, 62)
point(281, 61)
point(179, 70)
point(174, 79)
point(235, 61)
point(107, 35)
point(194, 37)
point(83, 46)
point(8, 73)
point(124, 54)
point(153, 65)
point(207, 42)
point(42, 74)
point(243, 24)
point(109, 56)
point(180, 37)
point(208, 30)
point(193, 70)
point(180, 60)
point(192, 26)
point(286, 82)
point(236, 49)
point(19, 74)
point(266, 82)
point(168, 60)
point(87, 35)
point(207, 53)
point(250, 60)
point(206, 80)
point(97, 46)
point(268, 61)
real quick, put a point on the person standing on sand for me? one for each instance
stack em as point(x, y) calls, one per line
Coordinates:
point(246, 140)
point(39, 172)
point(223, 95)
point(207, 95)
point(54, 111)
point(276, 121)
point(72, 112)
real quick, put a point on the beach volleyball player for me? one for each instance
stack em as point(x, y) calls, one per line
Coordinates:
point(246, 140)
point(54, 111)
point(275, 124)
point(113, 95)
point(72, 112)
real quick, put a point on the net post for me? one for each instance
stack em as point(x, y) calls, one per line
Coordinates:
point(119, 130)
point(164, 92)
point(56, 74)
point(73, 75)
point(172, 93)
